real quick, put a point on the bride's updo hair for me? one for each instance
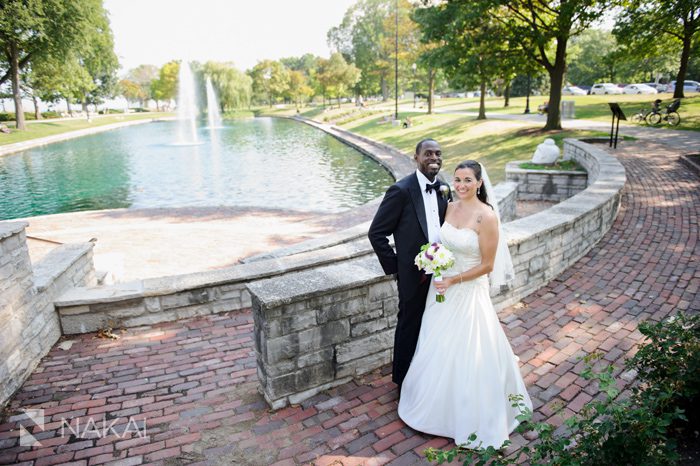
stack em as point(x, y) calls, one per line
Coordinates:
point(476, 168)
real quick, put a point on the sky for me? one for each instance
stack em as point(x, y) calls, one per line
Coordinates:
point(242, 31)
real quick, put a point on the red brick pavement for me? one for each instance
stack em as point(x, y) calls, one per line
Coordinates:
point(194, 382)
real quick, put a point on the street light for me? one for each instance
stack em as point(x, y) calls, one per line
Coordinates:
point(527, 99)
point(414, 66)
point(396, 64)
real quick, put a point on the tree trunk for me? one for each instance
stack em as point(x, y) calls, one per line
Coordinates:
point(84, 105)
point(506, 95)
point(68, 109)
point(16, 93)
point(37, 111)
point(431, 83)
point(680, 78)
point(385, 89)
point(482, 102)
point(556, 79)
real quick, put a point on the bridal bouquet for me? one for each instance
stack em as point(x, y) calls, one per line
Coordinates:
point(434, 258)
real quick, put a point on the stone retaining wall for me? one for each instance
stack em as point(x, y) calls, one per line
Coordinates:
point(545, 185)
point(319, 330)
point(301, 350)
point(29, 323)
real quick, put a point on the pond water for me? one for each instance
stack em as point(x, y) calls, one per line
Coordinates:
point(262, 162)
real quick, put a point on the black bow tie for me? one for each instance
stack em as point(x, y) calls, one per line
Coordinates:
point(430, 187)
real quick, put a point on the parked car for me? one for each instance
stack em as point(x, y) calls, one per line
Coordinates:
point(658, 86)
point(605, 88)
point(573, 90)
point(639, 89)
point(688, 86)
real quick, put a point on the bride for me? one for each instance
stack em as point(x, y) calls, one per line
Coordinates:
point(464, 369)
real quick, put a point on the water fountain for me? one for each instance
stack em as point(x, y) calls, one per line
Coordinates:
point(212, 107)
point(186, 107)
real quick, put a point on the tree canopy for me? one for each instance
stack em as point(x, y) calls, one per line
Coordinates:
point(56, 32)
point(643, 22)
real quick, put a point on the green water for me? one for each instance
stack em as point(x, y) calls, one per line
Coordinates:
point(263, 162)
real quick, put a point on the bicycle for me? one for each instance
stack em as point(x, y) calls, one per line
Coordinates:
point(670, 115)
point(641, 116)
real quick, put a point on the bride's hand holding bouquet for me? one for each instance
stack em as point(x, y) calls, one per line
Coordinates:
point(434, 258)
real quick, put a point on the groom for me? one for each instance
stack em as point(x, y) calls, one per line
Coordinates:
point(412, 211)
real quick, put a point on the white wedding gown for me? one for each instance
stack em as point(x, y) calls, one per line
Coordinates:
point(463, 369)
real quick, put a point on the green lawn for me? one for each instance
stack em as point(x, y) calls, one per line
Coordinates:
point(41, 128)
point(492, 142)
point(587, 107)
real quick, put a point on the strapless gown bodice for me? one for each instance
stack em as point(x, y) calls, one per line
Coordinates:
point(464, 245)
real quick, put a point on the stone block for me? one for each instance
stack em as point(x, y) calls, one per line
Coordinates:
point(363, 365)
point(366, 328)
point(73, 310)
point(280, 368)
point(362, 346)
point(342, 309)
point(305, 395)
point(317, 357)
point(382, 290)
point(84, 323)
point(291, 323)
point(226, 305)
point(369, 315)
point(187, 298)
point(295, 344)
point(536, 264)
point(146, 319)
point(152, 304)
point(301, 380)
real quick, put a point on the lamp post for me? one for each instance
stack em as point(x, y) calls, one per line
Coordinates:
point(414, 66)
point(527, 99)
point(396, 63)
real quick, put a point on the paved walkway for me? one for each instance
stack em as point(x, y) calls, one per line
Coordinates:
point(195, 383)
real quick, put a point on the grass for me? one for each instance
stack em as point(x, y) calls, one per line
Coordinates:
point(566, 165)
point(41, 128)
point(492, 142)
point(587, 107)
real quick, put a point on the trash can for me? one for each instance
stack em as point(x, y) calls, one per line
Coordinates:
point(567, 109)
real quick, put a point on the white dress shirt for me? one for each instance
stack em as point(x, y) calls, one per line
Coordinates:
point(430, 202)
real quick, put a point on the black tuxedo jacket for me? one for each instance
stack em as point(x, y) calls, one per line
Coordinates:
point(402, 214)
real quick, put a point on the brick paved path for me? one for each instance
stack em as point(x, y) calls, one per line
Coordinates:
point(195, 381)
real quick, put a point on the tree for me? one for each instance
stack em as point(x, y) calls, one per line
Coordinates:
point(469, 44)
point(542, 30)
point(270, 80)
point(337, 76)
point(234, 88)
point(131, 90)
point(644, 22)
point(360, 38)
point(48, 28)
point(165, 87)
point(299, 88)
point(143, 76)
point(596, 55)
